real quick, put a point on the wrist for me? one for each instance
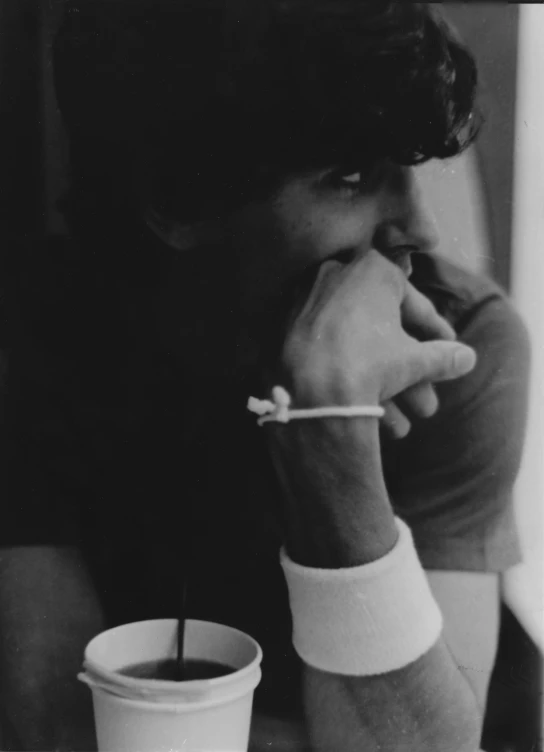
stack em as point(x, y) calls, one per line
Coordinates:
point(337, 510)
point(365, 620)
point(340, 545)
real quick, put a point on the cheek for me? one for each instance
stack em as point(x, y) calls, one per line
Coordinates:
point(278, 246)
point(325, 234)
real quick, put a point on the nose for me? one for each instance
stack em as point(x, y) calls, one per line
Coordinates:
point(406, 220)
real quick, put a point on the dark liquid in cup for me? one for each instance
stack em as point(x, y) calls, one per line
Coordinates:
point(167, 670)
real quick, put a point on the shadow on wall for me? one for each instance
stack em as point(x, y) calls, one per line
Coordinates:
point(453, 195)
point(491, 32)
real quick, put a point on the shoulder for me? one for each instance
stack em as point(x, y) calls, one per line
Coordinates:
point(452, 478)
point(456, 292)
point(484, 318)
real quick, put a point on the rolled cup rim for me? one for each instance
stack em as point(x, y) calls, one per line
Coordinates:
point(144, 687)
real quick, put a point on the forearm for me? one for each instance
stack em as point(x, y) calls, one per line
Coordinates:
point(325, 524)
point(427, 705)
point(424, 707)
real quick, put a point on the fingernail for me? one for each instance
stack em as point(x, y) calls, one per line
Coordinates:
point(464, 360)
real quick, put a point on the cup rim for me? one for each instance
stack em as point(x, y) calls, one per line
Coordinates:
point(165, 685)
point(178, 707)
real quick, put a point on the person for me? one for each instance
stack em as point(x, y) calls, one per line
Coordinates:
point(244, 214)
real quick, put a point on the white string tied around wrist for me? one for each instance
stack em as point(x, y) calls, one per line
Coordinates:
point(277, 410)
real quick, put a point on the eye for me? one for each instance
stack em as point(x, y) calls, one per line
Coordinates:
point(343, 180)
point(354, 182)
point(353, 178)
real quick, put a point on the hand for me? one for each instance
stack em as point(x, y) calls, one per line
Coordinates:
point(419, 400)
point(351, 342)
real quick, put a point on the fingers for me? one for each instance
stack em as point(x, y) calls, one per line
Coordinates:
point(419, 400)
point(394, 421)
point(420, 317)
point(440, 361)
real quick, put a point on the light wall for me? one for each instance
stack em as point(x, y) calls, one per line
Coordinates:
point(453, 196)
point(524, 587)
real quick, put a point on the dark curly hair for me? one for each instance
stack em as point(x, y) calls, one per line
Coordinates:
point(196, 106)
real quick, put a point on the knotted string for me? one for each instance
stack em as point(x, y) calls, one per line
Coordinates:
point(277, 410)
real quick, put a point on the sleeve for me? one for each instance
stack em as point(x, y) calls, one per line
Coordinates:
point(452, 478)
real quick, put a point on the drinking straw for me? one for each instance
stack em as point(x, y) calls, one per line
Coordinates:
point(181, 626)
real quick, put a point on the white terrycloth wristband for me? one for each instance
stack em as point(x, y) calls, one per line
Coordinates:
point(364, 620)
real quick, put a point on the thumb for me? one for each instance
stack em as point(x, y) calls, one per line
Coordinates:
point(440, 361)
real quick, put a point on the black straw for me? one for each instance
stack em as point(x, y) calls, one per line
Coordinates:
point(181, 628)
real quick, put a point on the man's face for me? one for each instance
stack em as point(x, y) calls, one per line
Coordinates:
point(322, 214)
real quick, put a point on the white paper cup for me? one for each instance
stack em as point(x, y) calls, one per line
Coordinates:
point(148, 715)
